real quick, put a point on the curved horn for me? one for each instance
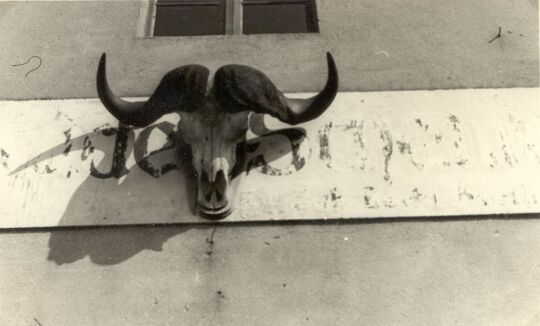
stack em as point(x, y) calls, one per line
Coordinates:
point(302, 110)
point(181, 89)
point(241, 88)
point(137, 114)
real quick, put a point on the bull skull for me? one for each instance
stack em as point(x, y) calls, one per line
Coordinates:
point(214, 122)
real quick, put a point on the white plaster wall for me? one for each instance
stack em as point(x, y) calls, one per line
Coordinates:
point(371, 155)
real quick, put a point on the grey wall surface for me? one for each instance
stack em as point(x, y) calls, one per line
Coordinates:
point(378, 45)
point(481, 273)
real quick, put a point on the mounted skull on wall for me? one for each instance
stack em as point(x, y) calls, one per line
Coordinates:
point(214, 121)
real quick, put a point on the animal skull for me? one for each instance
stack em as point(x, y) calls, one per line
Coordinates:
point(214, 121)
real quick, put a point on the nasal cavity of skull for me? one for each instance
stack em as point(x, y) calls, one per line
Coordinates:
point(216, 187)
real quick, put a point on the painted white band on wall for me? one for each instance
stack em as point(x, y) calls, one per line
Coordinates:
point(380, 154)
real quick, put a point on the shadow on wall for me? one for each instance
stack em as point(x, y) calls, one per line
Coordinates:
point(107, 246)
point(112, 191)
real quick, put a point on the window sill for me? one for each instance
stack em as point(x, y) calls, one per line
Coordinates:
point(235, 36)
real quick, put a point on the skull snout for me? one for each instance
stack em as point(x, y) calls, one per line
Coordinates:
point(213, 188)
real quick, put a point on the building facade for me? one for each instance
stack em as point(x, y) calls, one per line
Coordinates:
point(282, 262)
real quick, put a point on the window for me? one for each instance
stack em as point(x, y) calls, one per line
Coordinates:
point(219, 17)
point(271, 16)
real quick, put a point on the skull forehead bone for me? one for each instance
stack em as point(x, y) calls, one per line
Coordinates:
point(214, 121)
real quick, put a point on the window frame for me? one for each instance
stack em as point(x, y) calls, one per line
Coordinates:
point(233, 16)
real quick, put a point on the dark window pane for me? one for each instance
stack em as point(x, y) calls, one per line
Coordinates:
point(182, 18)
point(279, 17)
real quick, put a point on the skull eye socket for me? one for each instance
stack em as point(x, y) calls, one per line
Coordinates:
point(236, 135)
point(190, 129)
